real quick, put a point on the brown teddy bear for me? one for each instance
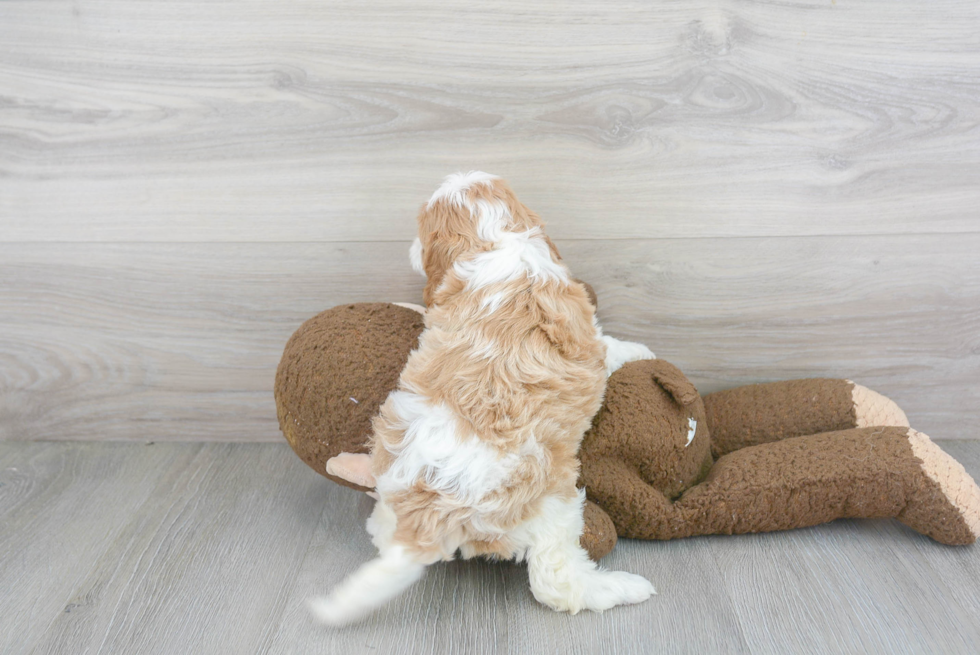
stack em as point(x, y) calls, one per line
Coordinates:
point(660, 461)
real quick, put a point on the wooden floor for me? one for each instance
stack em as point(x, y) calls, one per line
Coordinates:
point(213, 548)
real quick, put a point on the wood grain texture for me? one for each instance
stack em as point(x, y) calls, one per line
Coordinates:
point(181, 341)
point(61, 507)
point(950, 563)
point(300, 121)
point(204, 566)
point(833, 600)
point(205, 548)
point(760, 190)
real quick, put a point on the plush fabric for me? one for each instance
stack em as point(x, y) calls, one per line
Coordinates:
point(335, 372)
point(660, 461)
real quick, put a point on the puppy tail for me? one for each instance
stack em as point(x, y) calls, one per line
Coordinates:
point(369, 587)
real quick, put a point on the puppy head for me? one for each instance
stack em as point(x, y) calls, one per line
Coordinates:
point(469, 214)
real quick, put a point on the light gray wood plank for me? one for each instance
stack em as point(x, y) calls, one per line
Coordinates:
point(459, 608)
point(844, 587)
point(61, 507)
point(159, 341)
point(856, 586)
point(298, 121)
point(959, 564)
point(196, 548)
point(202, 568)
point(487, 607)
point(690, 593)
point(181, 341)
point(899, 315)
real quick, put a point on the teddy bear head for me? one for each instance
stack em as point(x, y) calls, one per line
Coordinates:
point(335, 372)
point(653, 419)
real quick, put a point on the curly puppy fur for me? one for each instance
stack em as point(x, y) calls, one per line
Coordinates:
point(475, 452)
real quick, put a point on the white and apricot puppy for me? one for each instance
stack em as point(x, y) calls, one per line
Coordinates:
point(475, 452)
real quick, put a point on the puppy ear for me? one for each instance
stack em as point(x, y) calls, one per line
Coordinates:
point(434, 267)
point(440, 250)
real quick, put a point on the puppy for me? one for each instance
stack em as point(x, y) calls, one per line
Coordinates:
point(475, 452)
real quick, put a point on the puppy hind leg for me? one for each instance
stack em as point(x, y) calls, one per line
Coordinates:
point(562, 575)
point(369, 587)
point(377, 581)
point(381, 525)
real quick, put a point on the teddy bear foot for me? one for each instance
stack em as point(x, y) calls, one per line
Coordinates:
point(946, 506)
point(871, 409)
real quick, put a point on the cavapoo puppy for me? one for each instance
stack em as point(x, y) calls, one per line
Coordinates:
point(475, 452)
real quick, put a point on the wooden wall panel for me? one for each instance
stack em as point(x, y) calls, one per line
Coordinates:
point(296, 121)
point(181, 341)
point(759, 190)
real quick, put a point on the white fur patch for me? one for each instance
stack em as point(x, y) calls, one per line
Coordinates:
point(492, 302)
point(410, 305)
point(692, 427)
point(381, 525)
point(562, 575)
point(415, 256)
point(455, 186)
point(492, 218)
point(620, 352)
point(515, 255)
point(435, 450)
point(559, 520)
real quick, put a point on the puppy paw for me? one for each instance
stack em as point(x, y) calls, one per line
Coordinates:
point(607, 589)
point(620, 352)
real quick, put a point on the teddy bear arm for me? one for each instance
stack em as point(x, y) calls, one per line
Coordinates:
point(638, 510)
point(877, 472)
point(764, 413)
point(352, 467)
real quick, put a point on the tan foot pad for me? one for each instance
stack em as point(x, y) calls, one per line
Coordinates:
point(953, 480)
point(353, 467)
point(871, 409)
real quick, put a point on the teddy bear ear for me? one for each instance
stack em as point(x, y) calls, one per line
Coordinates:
point(674, 382)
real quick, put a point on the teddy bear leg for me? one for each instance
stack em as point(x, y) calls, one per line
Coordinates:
point(947, 490)
point(871, 408)
point(764, 413)
point(598, 536)
point(875, 472)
